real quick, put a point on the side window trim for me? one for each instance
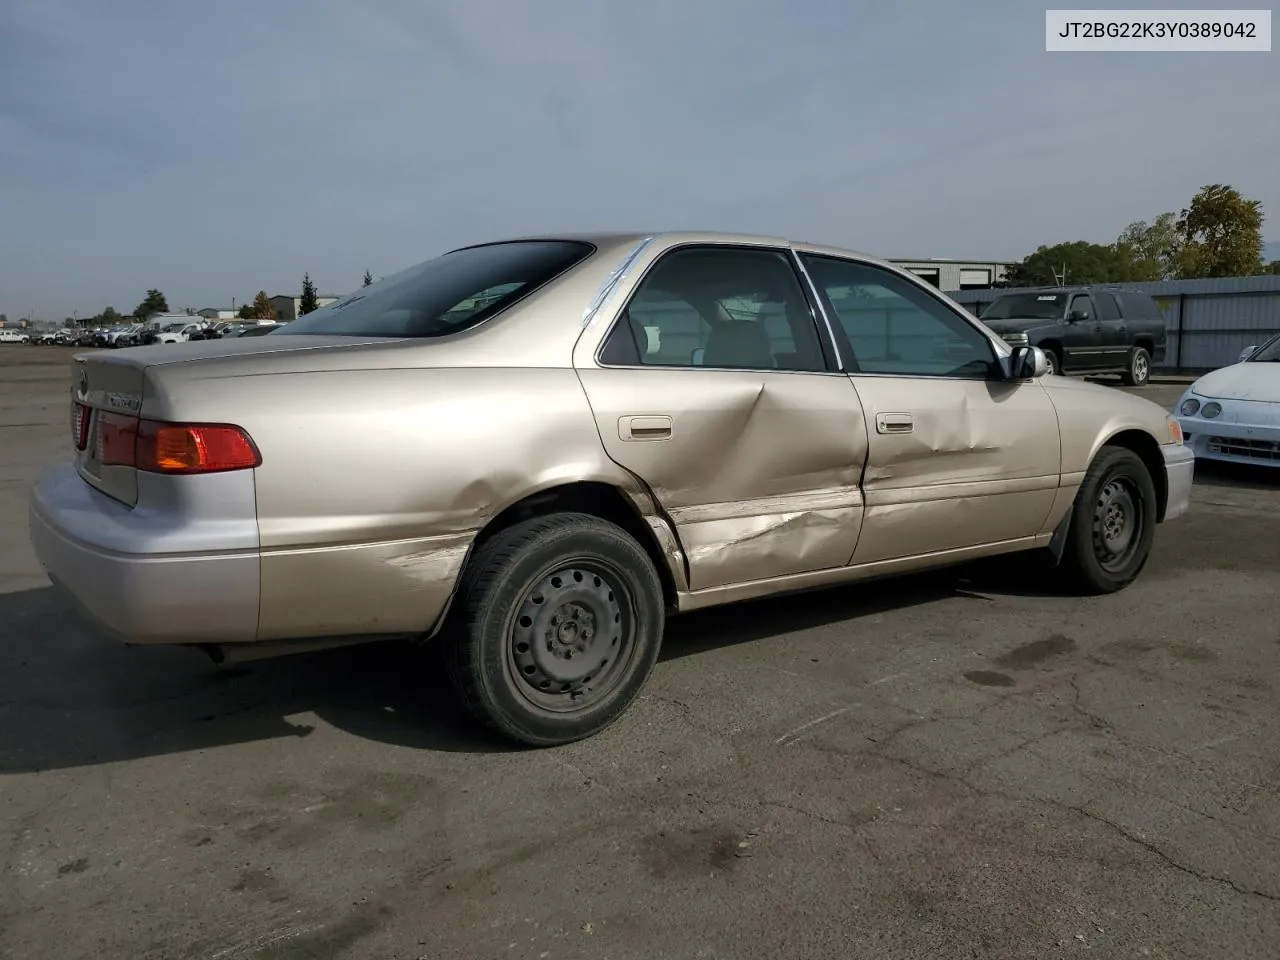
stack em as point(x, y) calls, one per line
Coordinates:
point(818, 307)
point(846, 348)
point(822, 332)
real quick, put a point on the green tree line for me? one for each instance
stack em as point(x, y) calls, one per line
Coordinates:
point(1218, 234)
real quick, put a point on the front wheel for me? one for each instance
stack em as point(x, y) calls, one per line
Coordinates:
point(1112, 523)
point(1139, 371)
point(556, 628)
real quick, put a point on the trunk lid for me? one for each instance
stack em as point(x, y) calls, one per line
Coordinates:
point(108, 387)
point(104, 386)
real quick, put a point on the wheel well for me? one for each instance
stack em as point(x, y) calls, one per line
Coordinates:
point(1053, 345)
point(598, 499)
point(1146, 447)
point(1146, 343)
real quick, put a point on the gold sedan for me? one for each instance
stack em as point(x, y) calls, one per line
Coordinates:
point(533, 451)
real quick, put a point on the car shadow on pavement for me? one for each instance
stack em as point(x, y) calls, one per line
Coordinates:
point(1219, 473)
point(71, 697)
point(747, 622)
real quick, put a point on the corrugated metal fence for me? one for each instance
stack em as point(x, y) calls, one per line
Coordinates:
point(1209, 321)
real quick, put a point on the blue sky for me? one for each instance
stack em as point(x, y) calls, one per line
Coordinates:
point(215, 149)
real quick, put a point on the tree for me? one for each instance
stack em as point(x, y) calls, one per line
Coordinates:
point(1272, 268)
point(153, 304)
point(109, 315)
point(262, 309)
point(1153, 247)
point(1220, 234)
point(1083, 262)
point(368, 278)
point(245, 312)
point(309, 303)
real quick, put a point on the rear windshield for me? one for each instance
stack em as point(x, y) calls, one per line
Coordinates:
point(445, 295)
point(1027, 306)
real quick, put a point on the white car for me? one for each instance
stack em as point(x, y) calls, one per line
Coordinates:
point(14, 336)
point(1233, 414)
point(178, 332)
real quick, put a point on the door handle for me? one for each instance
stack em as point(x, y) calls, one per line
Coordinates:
point(644, 428)
point(895, 423)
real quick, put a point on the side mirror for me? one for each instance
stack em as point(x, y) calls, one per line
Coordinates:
point(1075, 316)
point(1027, 363)
point(1247, 352)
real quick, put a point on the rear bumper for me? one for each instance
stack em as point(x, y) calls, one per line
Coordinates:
point(148, 578)
point(1179, 469)
point(189, 568)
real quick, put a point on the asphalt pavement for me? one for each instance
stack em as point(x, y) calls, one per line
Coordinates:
point(964, 764)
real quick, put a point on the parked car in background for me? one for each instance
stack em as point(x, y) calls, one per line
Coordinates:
point(532, 451)
point(1084, 330)
point(14, 336)
point(1233, 414)
point(177, 332)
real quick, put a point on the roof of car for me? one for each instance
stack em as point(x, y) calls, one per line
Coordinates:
point(605, 239)
point(1082, 288)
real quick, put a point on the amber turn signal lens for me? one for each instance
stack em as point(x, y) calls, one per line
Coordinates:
point(194, 448)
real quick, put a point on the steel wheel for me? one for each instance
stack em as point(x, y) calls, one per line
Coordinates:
point(556, 627)
point(1118, 519)
point(1112, 522)
point(571, 636)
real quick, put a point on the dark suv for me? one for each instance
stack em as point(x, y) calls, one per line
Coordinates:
point(1084, 329)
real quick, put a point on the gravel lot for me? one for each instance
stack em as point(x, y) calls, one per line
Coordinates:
point(955, 765)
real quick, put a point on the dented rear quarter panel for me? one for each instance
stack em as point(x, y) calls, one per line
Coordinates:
point(375, 482)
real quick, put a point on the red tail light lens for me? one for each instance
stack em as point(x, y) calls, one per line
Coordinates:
point(117, 440)
point(194, 448)
point(169, 447)
point(79, 425)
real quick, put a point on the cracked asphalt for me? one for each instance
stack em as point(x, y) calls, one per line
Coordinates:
point(963, 764)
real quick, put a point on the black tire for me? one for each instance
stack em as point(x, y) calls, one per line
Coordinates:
point(595, 575)
point(1139, 372)
point(1101, 555)
point(1055, 361)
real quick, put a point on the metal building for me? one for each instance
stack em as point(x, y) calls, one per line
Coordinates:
point(1209, 321)
point(948, 274)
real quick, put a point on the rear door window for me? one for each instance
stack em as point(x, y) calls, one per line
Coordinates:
point(1107, 309)
point(1139, 306)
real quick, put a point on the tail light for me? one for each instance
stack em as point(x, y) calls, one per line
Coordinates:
point(158, 447)
point(80, 425)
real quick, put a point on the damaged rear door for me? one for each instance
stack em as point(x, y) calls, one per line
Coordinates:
point(957, 456)
point(714, 387)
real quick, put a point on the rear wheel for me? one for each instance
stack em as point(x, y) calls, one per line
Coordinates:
point(1112, 523)
point(1055, 361)
point(1139, 371)
point(556, 627)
